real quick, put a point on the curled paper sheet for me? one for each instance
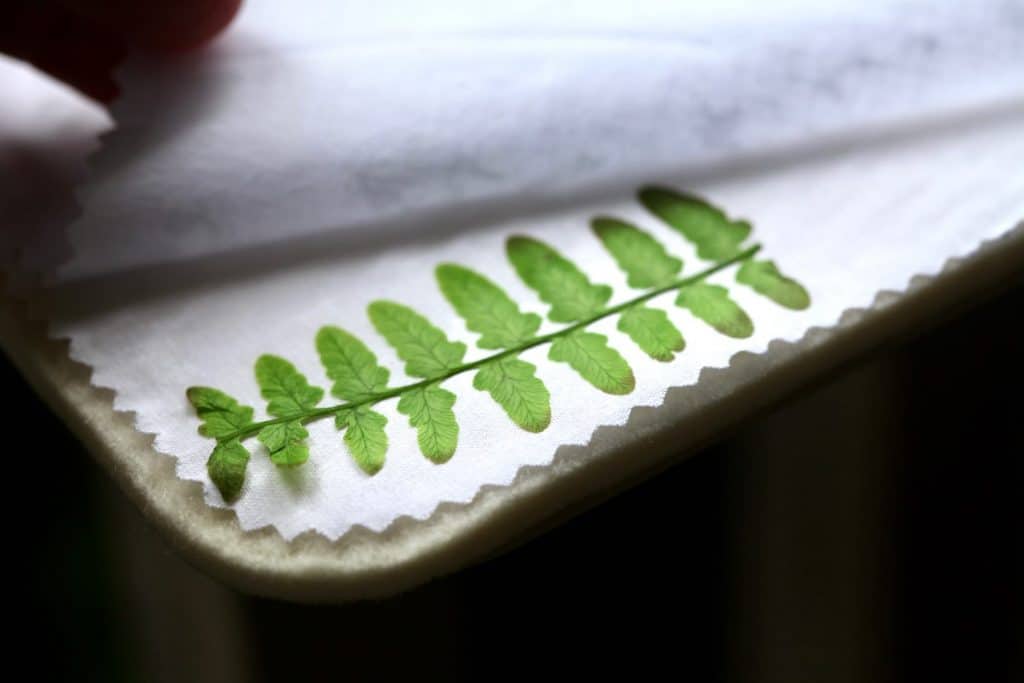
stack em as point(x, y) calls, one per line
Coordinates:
point(374, 120)
point(315, 162)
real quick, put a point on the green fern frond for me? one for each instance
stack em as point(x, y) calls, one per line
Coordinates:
point(556, 280)
point(486, 308)
point(351, 365)
point(221, 414)
point(512, 383)
point(288, 395)
point(711, 303)
point(286, 390)
point(647, 264)
point(429, 409)
point(714, 235)
point(766, 280)
point(424, 348)
point(588, 353)
point(360, 382)
point(364, 436)
point(652, 331)
point(644, 259)
point(226, 467)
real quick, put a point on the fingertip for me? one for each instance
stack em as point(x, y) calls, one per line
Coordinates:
point(161, 25)
point(181, 24)
point(81, 42)
point(66, 46)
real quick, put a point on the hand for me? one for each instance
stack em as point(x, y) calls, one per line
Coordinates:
point(81, 41)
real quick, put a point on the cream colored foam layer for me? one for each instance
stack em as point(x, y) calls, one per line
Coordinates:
point(366, 564)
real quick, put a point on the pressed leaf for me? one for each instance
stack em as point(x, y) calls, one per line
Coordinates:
point(365, 437)
point(285, 388)
point(512, 383)
point(766, 280)
point(486, 308)
point(285, 443)
point(221, 414)
point(351, 365)
point(711, 303)
point(588, 354)
point(360, 381)
point(556, 280)
point(226, 467)
point(424, 348)
point(711, 231)
point(430, 412)
point(643, 258)
point(652, 331)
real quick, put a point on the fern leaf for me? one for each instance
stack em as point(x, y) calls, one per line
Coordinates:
point(588, 354)
point(706, 226)
point(365, 437)
point(221, 414)
point(711, 303)
point(427, 353)
point(285, 388)
point(512, 383)
point(285, 443)
point(556, 280)
point(351, 365)
point(424, 348)
point(287, 393)
point(357, 376)
point(430, 412)
point(643, 258)
point(361, 382)
point(226, 468)
point(486, 308)
point(764, 277)
point(652, 331)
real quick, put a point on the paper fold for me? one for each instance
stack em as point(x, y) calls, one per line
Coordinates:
point(375, 122)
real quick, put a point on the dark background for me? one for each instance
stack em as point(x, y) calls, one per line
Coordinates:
point(868, 529)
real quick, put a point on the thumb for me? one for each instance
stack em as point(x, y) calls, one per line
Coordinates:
point(82, 41)
point(158, 25)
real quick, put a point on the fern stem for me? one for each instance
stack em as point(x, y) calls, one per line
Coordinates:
point(317, 413)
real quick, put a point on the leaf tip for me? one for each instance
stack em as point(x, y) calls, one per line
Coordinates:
point(324, 334)
point(804, 302)
point(652, 196)
point(743, 329)
point(371, 468)
point(602, 225)
point(379, 307)
point(447, 270)
point(439, 457)
point(538, 425)
point(448, 276)
point(226, 467)
point(519, 246)
point(228, 490)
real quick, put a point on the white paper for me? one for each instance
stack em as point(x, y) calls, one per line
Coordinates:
point(381, 119)
point(46, 132)
point(310, 167)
